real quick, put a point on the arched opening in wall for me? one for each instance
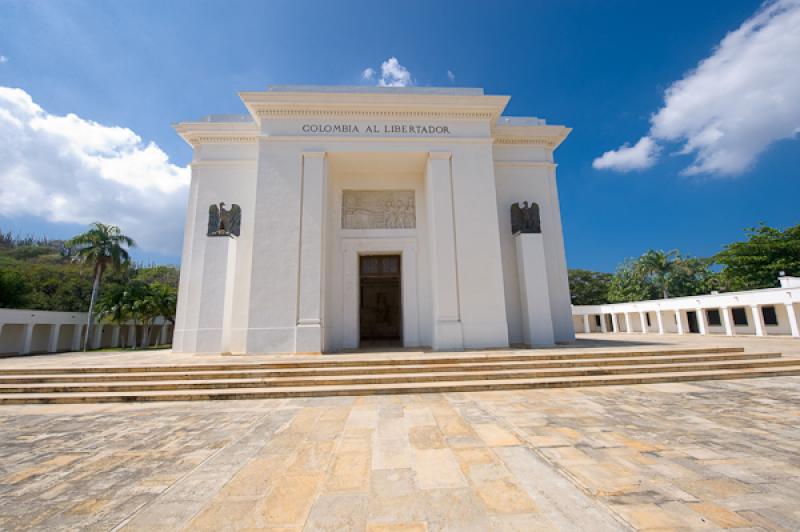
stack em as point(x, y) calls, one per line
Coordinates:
point(106, 336)
point(691, 319)
point(65, 337)
point(40, 338)
point(11, 338)
point(380, 307)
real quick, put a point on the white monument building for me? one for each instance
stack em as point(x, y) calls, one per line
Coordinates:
point(332, 218)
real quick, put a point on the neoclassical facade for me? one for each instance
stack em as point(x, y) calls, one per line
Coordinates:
point(333, 218)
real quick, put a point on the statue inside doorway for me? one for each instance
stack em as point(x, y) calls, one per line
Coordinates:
point(222, 221)
point(525, 219)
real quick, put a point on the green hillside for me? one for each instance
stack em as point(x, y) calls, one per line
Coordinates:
point(39, 274)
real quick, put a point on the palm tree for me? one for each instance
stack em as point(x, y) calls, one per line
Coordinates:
point(112, 306)
point(102, 246)
point(167, 300)
point(660, 266)
point(146, 309)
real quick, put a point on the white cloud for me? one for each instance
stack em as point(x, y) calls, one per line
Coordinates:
point(641, 155)
point(69, 169)
point(451, 76)
point(3, 59)
point(737, 102)
point(393, 74)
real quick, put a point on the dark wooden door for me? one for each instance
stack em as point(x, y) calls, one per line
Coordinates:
point(380, 309)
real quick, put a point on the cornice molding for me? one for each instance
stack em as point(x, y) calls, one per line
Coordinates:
point(221, 162)
point(547, 142)
point(380, 114)
point(368, 105)
point(322, 139)
point(196, 140)
point(525, 164)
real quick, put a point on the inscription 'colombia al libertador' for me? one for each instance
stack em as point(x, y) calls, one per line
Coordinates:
point(414, 129)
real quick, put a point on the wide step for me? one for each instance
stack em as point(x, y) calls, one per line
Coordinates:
point(390, 378)
point(431, 373)
point(397, 388)
point(190, 373)
point(342, 361)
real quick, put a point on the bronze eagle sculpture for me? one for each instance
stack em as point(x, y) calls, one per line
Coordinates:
point(222, 221)
point(525, 219)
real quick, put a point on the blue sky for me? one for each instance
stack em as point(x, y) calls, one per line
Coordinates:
point(111, 78)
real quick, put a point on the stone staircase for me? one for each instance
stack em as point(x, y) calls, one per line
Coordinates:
point(365, 375)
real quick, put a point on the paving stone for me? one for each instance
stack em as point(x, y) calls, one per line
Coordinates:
point(703, 456)
point(504, 496)
point(437, 468)
point(722, 517)
point(289, 502)
point(338, 513)
point(350, 472)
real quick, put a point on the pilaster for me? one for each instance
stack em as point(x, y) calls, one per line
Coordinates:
point(793, 322)
point(727, 320)
point(310, 327)
point(216, 298)
point(701, 321)
point(77, 335)
point(115, 336)
point(447, 331)
point(758, 319)
point(27, 339)
point(97, 336)
point(52, 340)
point(537, 320)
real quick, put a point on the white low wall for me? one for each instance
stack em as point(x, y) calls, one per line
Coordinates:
point(40, 331)
point(748, 313)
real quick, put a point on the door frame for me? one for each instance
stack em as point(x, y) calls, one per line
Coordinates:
point(352, 249)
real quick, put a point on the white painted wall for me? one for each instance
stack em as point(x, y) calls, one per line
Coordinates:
point(459, 280)
point(41, 331)
point(526, 172)
point(376, 171)
point(752, 301)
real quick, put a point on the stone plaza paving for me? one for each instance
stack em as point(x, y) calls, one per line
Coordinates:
point(691, 456)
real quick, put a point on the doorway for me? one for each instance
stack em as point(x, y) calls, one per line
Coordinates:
point(691, 317)
point(380, 307)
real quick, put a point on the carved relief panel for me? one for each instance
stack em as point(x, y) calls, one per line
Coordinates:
point(378, 209)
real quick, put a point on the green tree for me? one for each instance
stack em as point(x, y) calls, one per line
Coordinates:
point(658, 268)
point(691, 276)
point(13, 289)
point(102, 246)
point(657, 274)
point(757, 261)
point(164, 274)
point(57, 287)
point(589, 288)
point(110, 306)
point(166, 299)
point(146, 309)
point(629, 283)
